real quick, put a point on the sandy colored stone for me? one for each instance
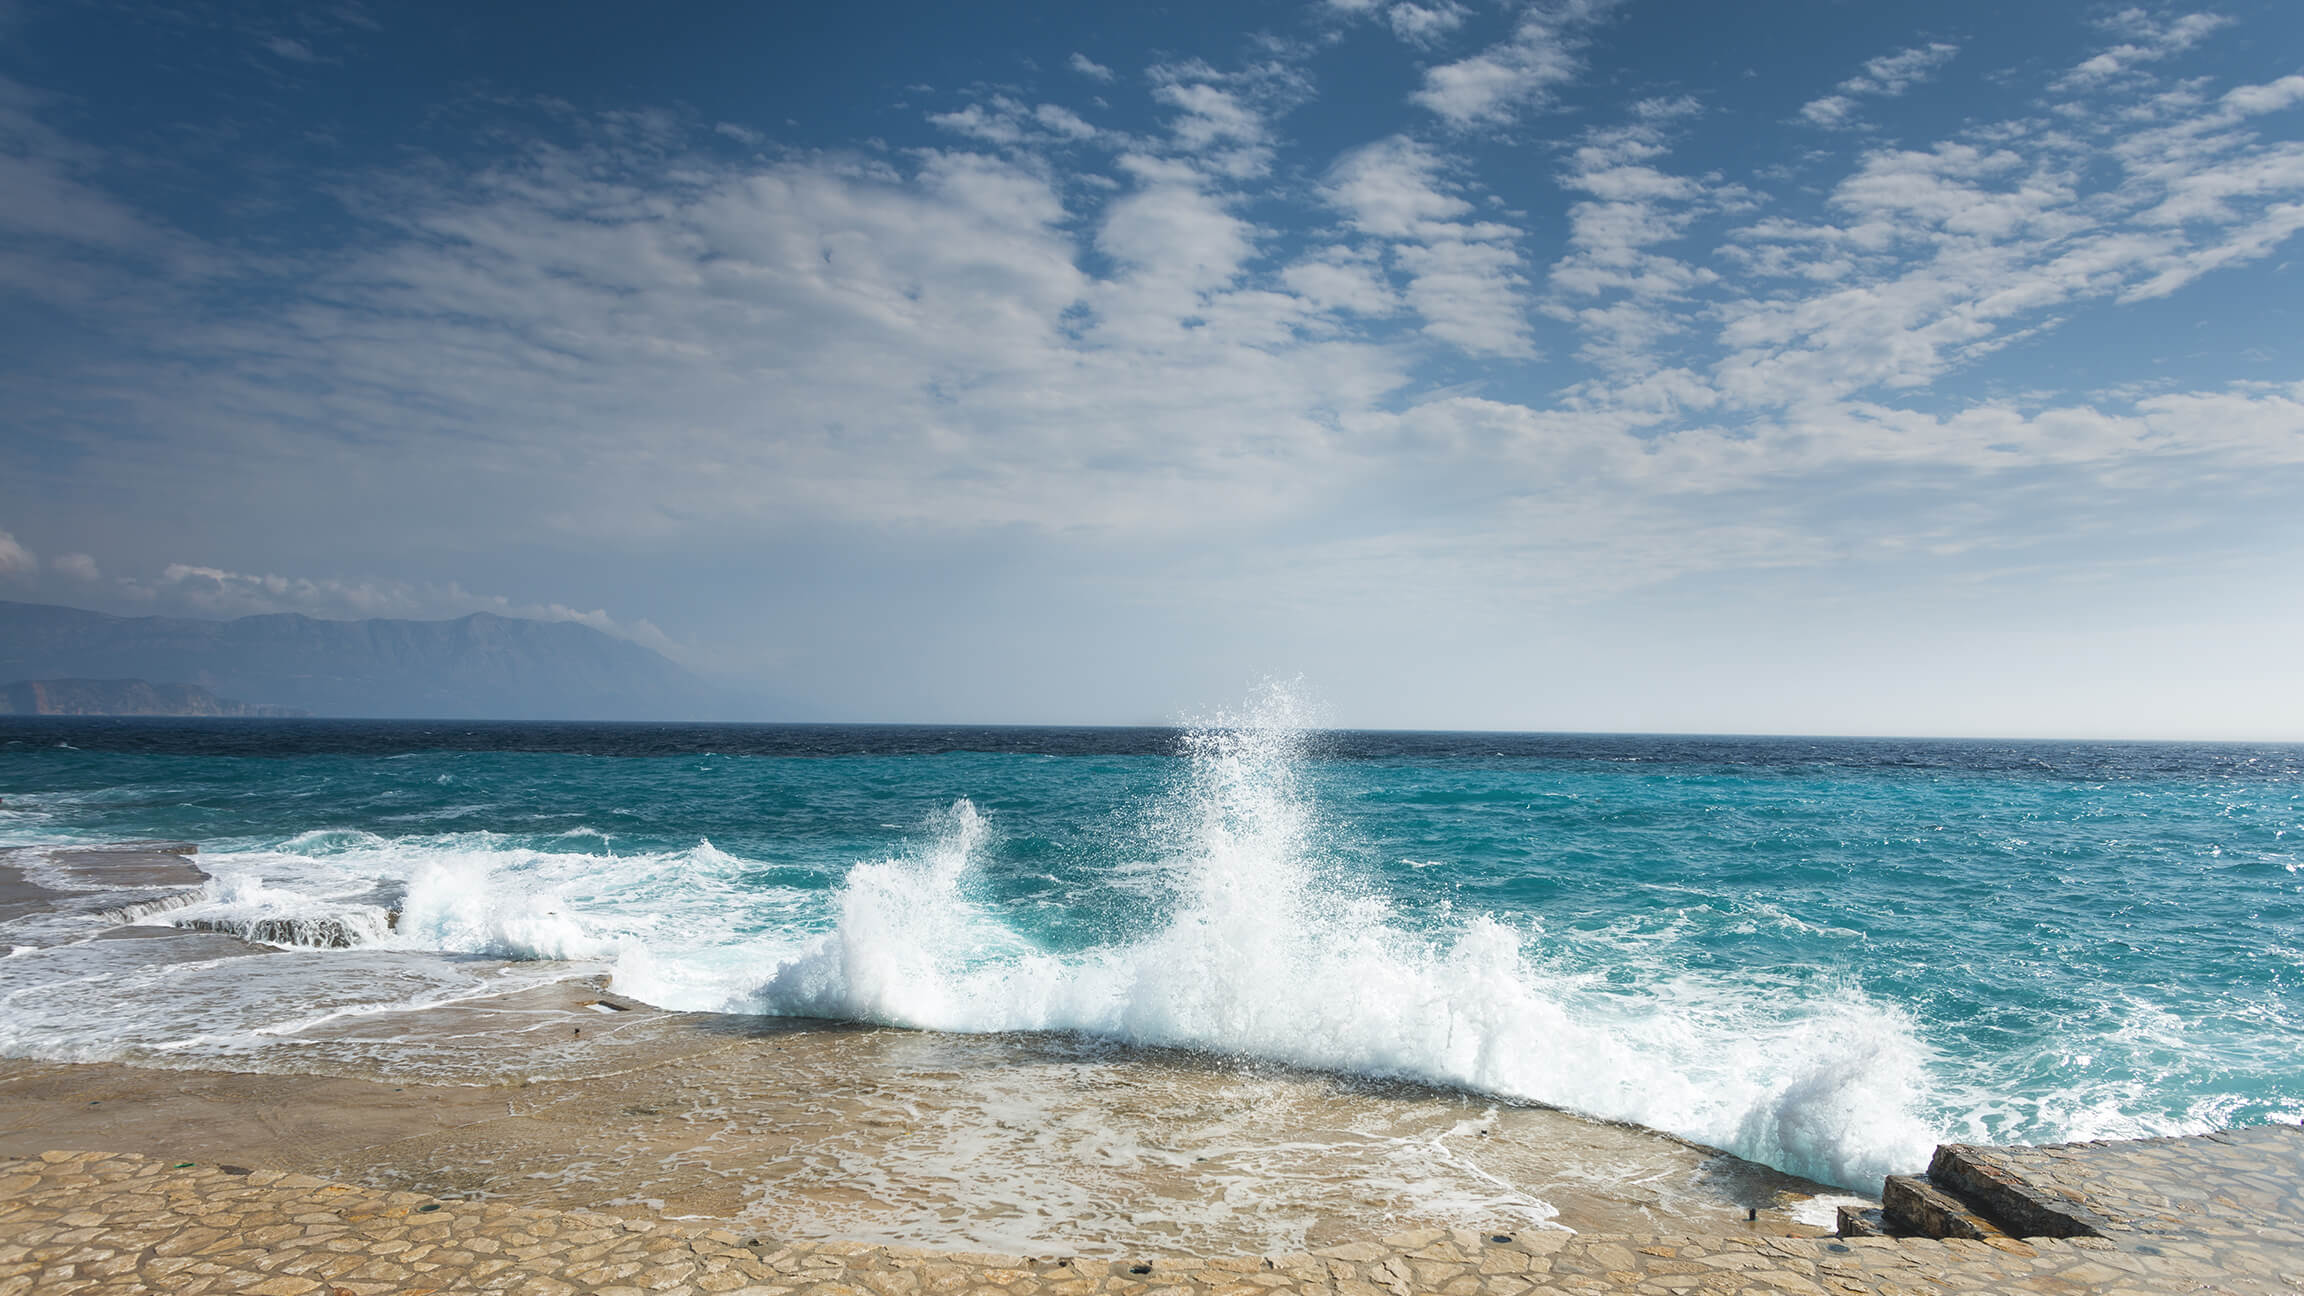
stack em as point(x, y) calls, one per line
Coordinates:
point(79, 1226)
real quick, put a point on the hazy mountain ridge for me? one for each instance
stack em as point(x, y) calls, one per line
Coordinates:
point(480, 666)
point(126, 697)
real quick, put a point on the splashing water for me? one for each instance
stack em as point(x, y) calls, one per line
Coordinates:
point(1822, 957)
point(1276, 950)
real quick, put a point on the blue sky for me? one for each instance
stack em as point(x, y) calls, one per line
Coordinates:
point(1658, 366)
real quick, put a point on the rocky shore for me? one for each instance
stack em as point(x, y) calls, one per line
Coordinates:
point(541, 1086)
point(560, 1139)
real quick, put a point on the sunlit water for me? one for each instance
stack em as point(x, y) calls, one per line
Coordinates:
point(1825, 955)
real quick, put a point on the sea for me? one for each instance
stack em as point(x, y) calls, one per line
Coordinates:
point(1825, 955)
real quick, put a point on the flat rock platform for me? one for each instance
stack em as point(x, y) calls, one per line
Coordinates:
point(2234, 1199)
point(2238, 1188)
point(102, 1223)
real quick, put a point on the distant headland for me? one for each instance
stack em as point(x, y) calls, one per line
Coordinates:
point(71, 661)
point(127, 697)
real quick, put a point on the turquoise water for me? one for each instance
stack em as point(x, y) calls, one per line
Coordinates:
point(1823, 954)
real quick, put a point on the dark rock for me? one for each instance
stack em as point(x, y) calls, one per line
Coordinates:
point(307, 933)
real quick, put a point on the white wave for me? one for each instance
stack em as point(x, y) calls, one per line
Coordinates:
point(475, 910)
point(330, 841)
point(476, 893)
point(1274, 952)
point(705, 855)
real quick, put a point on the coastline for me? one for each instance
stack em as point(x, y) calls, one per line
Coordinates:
point(537, 1084)
point(554, 1137)
point(1782, 990)
point(120, 1178)
point(862, 1134)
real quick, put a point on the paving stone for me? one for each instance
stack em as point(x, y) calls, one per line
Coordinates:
point(96, 1223)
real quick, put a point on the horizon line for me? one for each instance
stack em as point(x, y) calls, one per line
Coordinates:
point(1180, 726)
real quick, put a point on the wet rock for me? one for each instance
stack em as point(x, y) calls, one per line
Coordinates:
point(307, 933)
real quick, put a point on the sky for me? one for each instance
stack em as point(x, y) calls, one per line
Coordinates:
point(1806, 367)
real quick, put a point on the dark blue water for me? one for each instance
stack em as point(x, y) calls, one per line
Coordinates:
point(1823, 953)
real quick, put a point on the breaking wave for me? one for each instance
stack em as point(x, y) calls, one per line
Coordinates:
point(1259, 940)
point(1275, 951)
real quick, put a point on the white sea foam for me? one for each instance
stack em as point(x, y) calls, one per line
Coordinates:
point(474, 905)
point(247, 904)
point(479, 893)
point(1275, 952)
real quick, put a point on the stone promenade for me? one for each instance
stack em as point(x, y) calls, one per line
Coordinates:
point(99, 1223)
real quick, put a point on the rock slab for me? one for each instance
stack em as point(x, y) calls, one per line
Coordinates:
point(97, 1223)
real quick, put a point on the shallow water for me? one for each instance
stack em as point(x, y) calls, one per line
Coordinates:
point(1824, 955)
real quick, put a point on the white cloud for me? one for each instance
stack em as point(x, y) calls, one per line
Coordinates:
point(1210, 115)
point(1464, 277)
point(63, 238)
point(1893, 74)
point(1223, 118)
point(2248, 101)
point(1338, 280)
point(1626, 297)
point(1469, 293)
point(15, 559)
point(2148, 40)
point(220, 592)
point(1418, 24)
point(842, 338)
point(1938, 256)
point(1010, 123)
point(996, 124)
point(1831, 110)
point(78, 566)
point(1088, 67)
point(825, 338)
point(1425, 24)
point(1063, 121)
point(1521, 72)
point(1391, 189)
point(1662, 108)
point(1885, 77)
point(1176, 232)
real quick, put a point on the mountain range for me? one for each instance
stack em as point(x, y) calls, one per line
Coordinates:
point(480, 666)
